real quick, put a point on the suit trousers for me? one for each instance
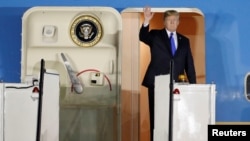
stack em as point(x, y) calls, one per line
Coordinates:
point(151, 100)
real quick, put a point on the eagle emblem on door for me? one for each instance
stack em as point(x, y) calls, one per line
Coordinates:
point(86, 31)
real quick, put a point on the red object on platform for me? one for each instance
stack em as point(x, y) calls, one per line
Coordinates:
point(176, 91)
point(35, 90)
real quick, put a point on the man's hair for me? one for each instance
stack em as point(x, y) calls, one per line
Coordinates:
point(170, 13)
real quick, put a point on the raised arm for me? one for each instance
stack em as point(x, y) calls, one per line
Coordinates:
point(144, 34)
point(148, 15)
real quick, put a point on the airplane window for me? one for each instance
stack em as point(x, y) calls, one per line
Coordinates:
point(247, 86)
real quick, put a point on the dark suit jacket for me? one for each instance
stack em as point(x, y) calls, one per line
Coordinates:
point(160, 49)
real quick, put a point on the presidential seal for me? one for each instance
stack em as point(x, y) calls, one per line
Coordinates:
point(86, 31)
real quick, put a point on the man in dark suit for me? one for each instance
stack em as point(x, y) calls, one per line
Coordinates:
point(161, 54)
